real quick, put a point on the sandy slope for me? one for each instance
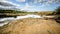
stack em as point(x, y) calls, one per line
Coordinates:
point(31, 26)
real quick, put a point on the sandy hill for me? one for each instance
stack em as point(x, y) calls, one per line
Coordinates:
point(31, 26)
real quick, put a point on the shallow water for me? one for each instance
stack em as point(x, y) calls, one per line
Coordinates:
point(28, 16)
point(4, 21)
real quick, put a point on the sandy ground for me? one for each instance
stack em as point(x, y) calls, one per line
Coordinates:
point(31, 26)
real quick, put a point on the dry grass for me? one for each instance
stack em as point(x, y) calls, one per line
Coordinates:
point(31, 26)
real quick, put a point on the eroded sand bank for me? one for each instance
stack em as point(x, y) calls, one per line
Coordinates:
point(31, 26)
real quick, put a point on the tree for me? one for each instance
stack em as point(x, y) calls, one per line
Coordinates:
point(58, 10)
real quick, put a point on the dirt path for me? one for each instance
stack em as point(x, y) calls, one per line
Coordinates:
point(31, 26)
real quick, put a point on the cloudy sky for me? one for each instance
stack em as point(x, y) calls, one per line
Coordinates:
point(30, 5)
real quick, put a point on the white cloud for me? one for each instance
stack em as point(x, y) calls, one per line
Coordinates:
point(12, 3)
point(10, 8)
point(27, 7)
point(8, 5)
point(21, 0)
point(47, 2)
point(30, 8)
point(37, 1)
point(2, 0)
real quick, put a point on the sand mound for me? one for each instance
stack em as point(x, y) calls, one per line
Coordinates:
point(31, 26)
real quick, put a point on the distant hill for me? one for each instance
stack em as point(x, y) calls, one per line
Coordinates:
point(11, 11)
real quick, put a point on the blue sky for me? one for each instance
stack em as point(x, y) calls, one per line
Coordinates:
point(31, 5)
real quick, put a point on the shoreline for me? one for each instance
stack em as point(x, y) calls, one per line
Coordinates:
point(33, 25)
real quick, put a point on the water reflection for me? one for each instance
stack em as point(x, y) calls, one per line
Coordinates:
point(28, 16)
point(4, 21)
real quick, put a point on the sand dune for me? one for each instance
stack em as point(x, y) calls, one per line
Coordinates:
point(31, 26)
